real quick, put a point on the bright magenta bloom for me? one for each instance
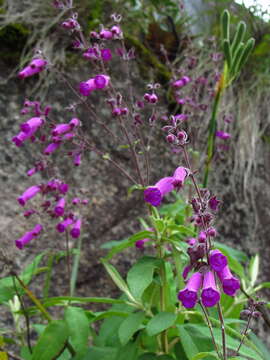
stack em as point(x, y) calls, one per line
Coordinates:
point(189, 295)
point(179, 177)
point(61, 129)
point(87, 87)
point(61, 227)
point(76, 230)
point(230, 283)
point(101, 81)
point(35, 66)
point(154, 194)
point(31, 125)
point(51, 148)
point(217, 260)
point(60, 207)
point(28, 194)
point(27, 237)
point(181, 82)
point(210, 294)
point(74, 122)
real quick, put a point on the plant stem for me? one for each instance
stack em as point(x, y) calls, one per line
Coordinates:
point(222, 331)
point(244, 334)
point(75, 268)
point(210, 328)
point(68, 258)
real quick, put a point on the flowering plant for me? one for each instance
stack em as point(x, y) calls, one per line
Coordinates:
point(148, 320)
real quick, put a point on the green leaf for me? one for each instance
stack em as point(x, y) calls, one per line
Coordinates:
point(254, 269)
point(160, 322)
point(148, 356)
point(52, 341)
point(129, 351)
point(31, 269)
point(79, 330)
point(246, 53)
point(141, 274)
point(239, 36)
point(118, 280)
point(63, 300)
point(231, 343)
point(128, 243)
point(189, 346)
point(203, 355)
point(236, 254)
point(129, 326)
point(227, 53)
point(236, 59)
point(225, 24)
point(98, 353)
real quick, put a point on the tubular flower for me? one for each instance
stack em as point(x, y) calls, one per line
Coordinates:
point(51, 148)
point(60, 207)
point(28, 194)
point(101, 81)
point(61, 227)
point(210, 294)
point(76, 230)
point(217, 260)
point(27, 237)
point(35, 66)
point(31, 125)
point(86, 87)
point(181, 82)
point(154, 194)
point(61, 129)
point(189, 295)
point(230, 283)
point(179, 177)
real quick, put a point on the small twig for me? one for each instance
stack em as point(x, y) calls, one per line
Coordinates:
point(210, 328)
point(68, 257)
point(222, 331)
point(244, 334)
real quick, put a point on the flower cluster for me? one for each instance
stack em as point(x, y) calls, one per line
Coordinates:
point(55, 205)
point(154, 194)
point(205, 279)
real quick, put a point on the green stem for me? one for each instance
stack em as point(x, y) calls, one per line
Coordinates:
point(75, 268)
point(211, 136)
point(48, 276)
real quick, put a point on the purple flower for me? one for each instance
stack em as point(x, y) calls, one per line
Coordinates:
point(35, 66)
point(51, 148)
point(76, 230)
point(27, 237)
point(21, 137)
point(106, 54)
point(60, 207)
point(213, 203)
point(77, 159)
point(179, 177)
point(101, 81)
point(217, 260)
point(61, 227)
point(140, 243)
point(87, 87)
point(186, 271)
point(61, 129)
point(63, 188)
point(106, 34)
point(202, 237)
point(189, 295)
point(181, 82)
point(154, 194)
point(230, 283)
point(223, 135)
point(31, 125)
point(210, 294)
point(116, 30)
point(28, 194)
point(76, 201)
point(74, 123)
